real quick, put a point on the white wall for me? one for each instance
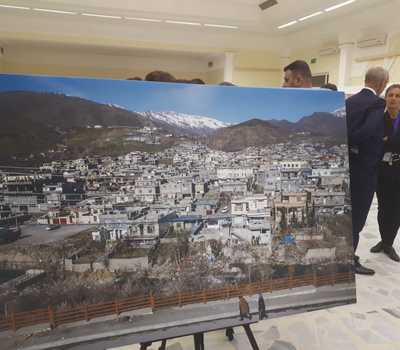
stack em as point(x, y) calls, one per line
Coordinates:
point(54, 60)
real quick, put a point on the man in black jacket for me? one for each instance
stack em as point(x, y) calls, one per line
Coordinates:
point(365, 126)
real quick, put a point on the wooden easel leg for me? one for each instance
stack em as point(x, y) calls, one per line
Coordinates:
point(143, 346)
point(229, 332)
point(198, 341)
point(201, 336)
point(250, 335)
point(163, 345)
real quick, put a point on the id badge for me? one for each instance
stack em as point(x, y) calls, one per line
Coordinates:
point(387, 157)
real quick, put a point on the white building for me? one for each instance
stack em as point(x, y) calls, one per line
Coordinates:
point(291, 165)
point(234, 173)
point(176, 188)
point(146, 190)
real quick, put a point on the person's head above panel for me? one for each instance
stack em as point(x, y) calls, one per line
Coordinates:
point(197, 81)
point(297, 75)
point(329, 86)
point(190, 81)
point(392, 97)
point(160, 76)
point(377, 78)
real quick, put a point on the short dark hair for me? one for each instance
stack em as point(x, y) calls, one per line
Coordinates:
point(300, 67)
point(161, 76)
point(391, 87)
point(135, 78)
point(329, 86)
point(197, 81)
point(226, 83)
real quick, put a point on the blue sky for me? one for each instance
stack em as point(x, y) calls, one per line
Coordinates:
point(225, 103)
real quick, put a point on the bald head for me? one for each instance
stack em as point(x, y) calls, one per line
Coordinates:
point(377, 78)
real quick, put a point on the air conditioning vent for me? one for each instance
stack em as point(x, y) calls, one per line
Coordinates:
point(267, 4)
point(328, 51)
point(371, 42)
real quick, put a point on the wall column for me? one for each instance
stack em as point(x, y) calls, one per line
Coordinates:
point(345, 62)
point(228, 66)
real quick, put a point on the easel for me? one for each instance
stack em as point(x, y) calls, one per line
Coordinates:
point(148, 337)
point(198, 338)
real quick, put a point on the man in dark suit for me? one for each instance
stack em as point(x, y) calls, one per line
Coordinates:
point(365, 126)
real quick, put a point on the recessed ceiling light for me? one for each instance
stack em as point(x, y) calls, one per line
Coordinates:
point(55, 11)
point(15, 7)
point(221, 26)
point(185, 23)
point(143, 19)
point(287, 25)
point(101, 16)
point(311, 16)
point(339, 5)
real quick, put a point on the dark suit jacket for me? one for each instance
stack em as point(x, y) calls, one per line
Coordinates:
point(393, 142)
point(365, 127)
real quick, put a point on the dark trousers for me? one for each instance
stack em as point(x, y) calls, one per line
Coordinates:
point(363, 186)
point(388, 193)
point(262, 314)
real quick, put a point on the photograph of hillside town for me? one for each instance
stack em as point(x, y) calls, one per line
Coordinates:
point(166, 202)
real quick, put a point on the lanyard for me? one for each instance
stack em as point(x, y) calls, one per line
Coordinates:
point(396, 124)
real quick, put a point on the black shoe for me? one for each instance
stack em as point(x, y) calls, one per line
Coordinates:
point(377, 248)
point(391, 253)
point(362, 270)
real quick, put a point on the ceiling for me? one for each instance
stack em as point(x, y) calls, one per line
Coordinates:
point(256, 29)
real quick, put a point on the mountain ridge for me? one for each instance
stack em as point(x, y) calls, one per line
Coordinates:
point(34, 122)
point(318, 127)
point(183, 123)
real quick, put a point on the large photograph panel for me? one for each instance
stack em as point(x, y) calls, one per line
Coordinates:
point(172, 204)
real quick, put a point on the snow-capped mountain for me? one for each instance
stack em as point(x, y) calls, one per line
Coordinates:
point(340, 113)
point(113, 105)
point(184, 123)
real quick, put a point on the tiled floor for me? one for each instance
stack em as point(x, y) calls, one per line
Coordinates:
point(371, 324)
